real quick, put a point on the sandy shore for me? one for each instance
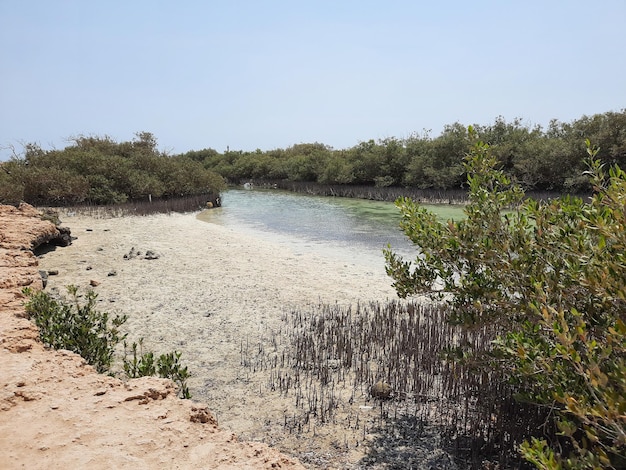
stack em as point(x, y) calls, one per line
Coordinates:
point(210, 290)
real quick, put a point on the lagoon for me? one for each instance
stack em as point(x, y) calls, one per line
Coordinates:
point(355, 230)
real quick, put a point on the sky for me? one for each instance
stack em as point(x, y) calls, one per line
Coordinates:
point(267, 74)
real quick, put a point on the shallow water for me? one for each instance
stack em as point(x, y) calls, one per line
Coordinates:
point(355, 230)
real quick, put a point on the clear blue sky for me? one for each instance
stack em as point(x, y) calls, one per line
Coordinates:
point(267, 74)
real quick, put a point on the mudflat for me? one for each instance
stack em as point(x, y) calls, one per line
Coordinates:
point(210, 292)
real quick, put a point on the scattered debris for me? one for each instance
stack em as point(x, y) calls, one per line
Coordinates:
point(132, 254)
point(150, 254)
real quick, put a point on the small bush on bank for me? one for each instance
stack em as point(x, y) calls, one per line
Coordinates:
point(78, 327)
point(166, 365)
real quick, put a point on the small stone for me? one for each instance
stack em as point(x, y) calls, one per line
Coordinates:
point(151, 255)
point(131, 254)
point(381, 390)
point(44, 278)
point(112, 273)
point(94, 283)
point(202, 415)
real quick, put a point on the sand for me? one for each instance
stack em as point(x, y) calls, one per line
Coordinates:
point(210, 290)
point(57, 412)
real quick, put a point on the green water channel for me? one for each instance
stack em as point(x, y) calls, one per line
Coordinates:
point(355, 227)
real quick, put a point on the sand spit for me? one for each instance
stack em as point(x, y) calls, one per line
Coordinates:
point(55, 411)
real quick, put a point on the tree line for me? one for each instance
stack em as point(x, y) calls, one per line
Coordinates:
point(98, 170)
point(540, 159)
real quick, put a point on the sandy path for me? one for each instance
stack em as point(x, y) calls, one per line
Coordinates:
point(210, 289)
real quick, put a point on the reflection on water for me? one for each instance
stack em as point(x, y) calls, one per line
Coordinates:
point(354, 228)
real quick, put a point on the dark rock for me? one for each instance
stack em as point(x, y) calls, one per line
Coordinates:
point(381, 390)
point(44, 278)
point(131, 254)
point(151, 255)
point(64, 238)
point(51, 237)
point(136, 253)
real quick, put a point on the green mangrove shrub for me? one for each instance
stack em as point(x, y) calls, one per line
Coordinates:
point(168, 365)
point(552, 276)
point(79, 327)
point(76, 326)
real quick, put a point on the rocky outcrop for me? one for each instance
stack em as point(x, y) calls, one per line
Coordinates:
point(57, 412)
point(21, 230)
point(24, 228)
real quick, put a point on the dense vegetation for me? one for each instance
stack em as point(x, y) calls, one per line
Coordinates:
point(539, 159)
point(552, 277)
point(96, 170)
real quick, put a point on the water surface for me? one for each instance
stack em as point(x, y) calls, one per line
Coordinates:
point(355, 230)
